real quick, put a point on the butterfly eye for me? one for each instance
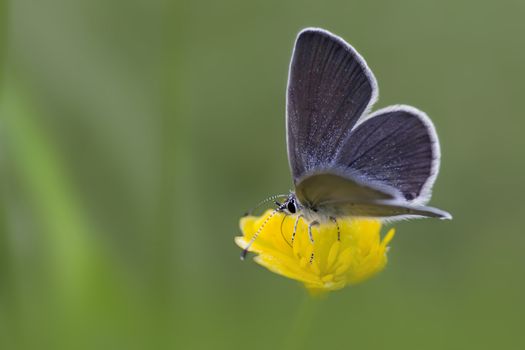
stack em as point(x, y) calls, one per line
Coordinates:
point(291, 207)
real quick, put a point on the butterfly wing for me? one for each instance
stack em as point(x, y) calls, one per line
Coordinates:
point(386, 169)
point(329, 88)
point(322, 187)
point(396, 147)
point(344, 195)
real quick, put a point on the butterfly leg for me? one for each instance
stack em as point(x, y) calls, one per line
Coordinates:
point(336, 225)
point(313, 223)
point(282, 233)
point(295, 227)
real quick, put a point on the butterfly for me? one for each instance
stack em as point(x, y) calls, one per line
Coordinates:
point(344, 160)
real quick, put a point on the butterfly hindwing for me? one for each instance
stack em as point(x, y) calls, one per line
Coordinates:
point(344, 195)
point(396, 147)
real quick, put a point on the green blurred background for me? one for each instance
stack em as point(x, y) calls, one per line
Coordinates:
point(133, 134)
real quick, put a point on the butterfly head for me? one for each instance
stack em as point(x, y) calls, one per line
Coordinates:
point(290, 206)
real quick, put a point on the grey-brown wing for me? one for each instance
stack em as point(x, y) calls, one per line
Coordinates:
point(329, 88)
point(391, 210)
point(315, 189)
point(349, 195)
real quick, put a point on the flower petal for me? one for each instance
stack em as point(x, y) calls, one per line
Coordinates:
point(327, 263)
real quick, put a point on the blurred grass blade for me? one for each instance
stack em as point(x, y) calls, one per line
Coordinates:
point(38, 165)
point(86, 289)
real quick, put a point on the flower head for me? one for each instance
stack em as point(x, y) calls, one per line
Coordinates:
point(328, 263)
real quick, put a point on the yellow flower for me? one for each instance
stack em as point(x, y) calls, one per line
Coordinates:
point(357, 256)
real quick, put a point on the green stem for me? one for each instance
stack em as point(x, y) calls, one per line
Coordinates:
point(302, 322)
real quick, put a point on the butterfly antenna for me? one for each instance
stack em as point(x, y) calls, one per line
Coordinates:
point(254, 237)
point(271, 198)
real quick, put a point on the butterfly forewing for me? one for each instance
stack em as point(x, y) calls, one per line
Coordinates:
point(329, 88)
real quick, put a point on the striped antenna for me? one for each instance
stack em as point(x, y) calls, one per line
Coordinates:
point(254, 237)
point(271, 198)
